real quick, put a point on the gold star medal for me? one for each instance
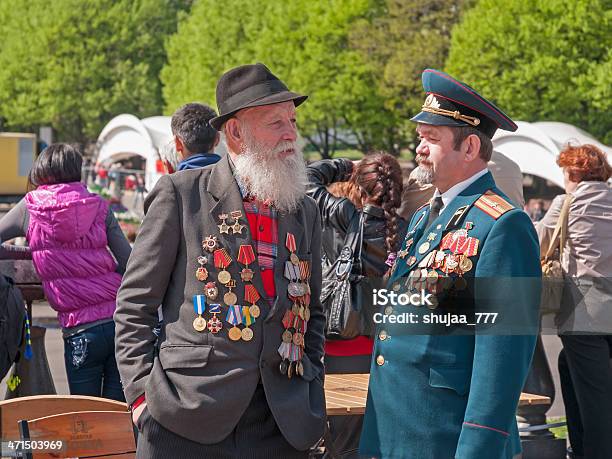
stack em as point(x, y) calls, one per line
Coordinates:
point(237, 227)
point(223, 227)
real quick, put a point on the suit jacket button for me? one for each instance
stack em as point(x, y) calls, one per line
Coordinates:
point(388, 310)
point(380, 360)
point(383, 335)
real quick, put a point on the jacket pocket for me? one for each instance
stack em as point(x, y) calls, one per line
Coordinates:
point(177, 356)
point(456, 379)
point(310, 371)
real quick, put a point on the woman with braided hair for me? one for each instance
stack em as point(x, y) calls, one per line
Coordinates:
point(342, 189)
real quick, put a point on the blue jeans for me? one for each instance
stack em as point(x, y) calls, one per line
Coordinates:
point(90, 363)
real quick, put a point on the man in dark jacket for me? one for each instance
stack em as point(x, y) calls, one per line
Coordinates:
point(231, 252)
point(194, 138)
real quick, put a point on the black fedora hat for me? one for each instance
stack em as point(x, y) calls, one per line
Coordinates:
point(250, 85)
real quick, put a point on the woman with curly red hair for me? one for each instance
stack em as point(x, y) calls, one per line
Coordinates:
point(585, 319)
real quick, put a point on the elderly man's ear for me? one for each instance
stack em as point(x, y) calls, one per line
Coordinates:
point(233, 136)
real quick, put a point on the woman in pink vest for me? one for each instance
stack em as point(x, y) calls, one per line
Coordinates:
point(69, 231)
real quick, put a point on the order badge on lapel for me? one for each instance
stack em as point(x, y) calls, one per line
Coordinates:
point(211, 291)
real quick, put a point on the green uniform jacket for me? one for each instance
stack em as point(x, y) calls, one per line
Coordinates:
point(452, 392)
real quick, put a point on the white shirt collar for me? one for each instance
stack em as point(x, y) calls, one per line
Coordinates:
point(454, 191)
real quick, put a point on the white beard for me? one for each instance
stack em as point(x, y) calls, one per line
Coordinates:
point(423, 175)
point(268, 177)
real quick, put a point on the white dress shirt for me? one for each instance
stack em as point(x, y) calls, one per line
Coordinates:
point(454, 191)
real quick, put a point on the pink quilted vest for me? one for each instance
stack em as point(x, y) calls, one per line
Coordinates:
point(67, 236)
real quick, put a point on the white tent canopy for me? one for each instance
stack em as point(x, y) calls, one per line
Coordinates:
point(535, 146)
point(125, 136)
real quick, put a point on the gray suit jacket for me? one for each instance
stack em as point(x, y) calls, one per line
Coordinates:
point(200, 384)
point(587, 258)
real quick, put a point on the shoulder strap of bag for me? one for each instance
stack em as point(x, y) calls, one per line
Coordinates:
point(560, 232)
point(357, 265)
point(354, 240)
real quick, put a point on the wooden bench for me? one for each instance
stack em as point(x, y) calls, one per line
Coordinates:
point(84, 434)
point(346, 394)
point(38, 406)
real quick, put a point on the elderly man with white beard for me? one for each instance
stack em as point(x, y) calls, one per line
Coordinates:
point(231, 252)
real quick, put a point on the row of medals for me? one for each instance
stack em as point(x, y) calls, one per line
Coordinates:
point(425, 275)
point(295, 320)
point(211, 245)
point(298, 290)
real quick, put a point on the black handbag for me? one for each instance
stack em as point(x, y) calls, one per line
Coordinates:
point(341, 295)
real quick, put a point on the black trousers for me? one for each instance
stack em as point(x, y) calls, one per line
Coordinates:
point(346, 430)
point(255, 437)
point(585, 370)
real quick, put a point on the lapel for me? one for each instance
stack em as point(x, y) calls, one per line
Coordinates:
point(450, 218)
point(224, 189)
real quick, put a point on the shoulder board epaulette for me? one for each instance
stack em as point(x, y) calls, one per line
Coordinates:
point(493, 204)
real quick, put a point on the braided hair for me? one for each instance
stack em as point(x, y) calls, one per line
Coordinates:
point(379, 177)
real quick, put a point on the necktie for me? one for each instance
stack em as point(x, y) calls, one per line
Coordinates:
point(434, 211)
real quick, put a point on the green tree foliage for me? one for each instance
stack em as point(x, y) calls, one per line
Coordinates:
point(540, 59)
point(305, 43)
point(401, 39)
point(74, 64)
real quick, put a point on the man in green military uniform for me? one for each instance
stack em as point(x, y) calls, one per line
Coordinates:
point(451, 391)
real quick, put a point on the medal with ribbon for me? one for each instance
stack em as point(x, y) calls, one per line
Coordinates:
point(252, 296)
point(222, 261)
point(305, 275)
point(247, 320)
point(214, 324)
point(292, 247)
point(292, 274)
point(234, 317)
point(199, 306)
point(230, 297)
point(246, 256)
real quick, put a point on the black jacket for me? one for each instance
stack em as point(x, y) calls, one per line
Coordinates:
point(336, 214)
